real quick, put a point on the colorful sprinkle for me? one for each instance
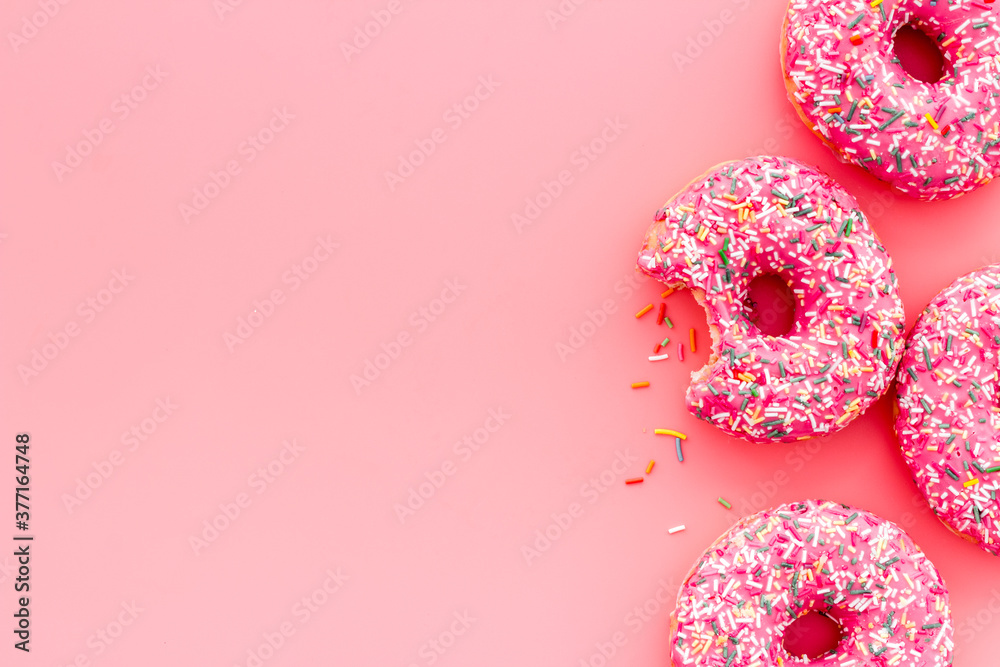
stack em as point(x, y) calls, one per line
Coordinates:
point(634, 480)
point(667, 431)
point(915, 135)
point(744, 591)
point(644, 311)
point(639, 385)
point(649, 468)
point(725, 503)
point(768, 389)
point(945, 394)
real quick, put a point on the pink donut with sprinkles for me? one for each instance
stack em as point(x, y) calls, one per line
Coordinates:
point(859, 570)
point(778, 216)
point(947, 420)
point(929, 140)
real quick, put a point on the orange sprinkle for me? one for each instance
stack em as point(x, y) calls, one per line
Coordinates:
point(693, 348)
point(644, 311)
point(634, 480)
point(649, 468)
point(856, 39)
point(639, 385)
point(667, 293)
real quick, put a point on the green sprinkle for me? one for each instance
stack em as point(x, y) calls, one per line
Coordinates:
point(849, 520)
point(886, 124)
point(857, 20)
point(725, 503)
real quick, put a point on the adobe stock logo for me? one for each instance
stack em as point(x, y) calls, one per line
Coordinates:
point(47, 9)
point(420, 319)
point(703, 39)
point(365, 34)
point(592, 490)
point(464, 449)
point(263, 309)
point(121, 108)
point(229, 511)
point(550, 190)
point(455, 116)
point(88, 309)
point(248, 151)
point(303, 611)
point(105, 468)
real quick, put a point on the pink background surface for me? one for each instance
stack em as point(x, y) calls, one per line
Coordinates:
point(520, 293)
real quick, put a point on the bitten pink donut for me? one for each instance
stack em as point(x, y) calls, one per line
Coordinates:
point(771, 215)
point(860, 570)
point(947, 421)
point(929, 140)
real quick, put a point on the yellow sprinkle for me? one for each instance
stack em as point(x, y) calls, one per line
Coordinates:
point(667, 431)
point(971, 482)
point(930, 119)
point(644, 311)
point(876, 3)
point(691, 336)
point(639, 385)
point(649, 468)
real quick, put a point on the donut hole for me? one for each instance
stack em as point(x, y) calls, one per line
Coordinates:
point(812, 635)
point(918, 54)
point(770, 304)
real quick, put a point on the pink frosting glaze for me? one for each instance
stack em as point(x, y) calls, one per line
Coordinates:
point(772, 215)
point(948, 417)
point(815, 556)
point(929, 140)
